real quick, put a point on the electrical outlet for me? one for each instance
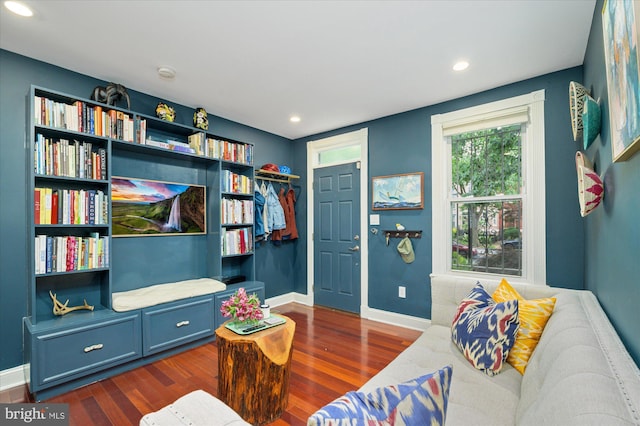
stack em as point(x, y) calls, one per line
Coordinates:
point(402, 292)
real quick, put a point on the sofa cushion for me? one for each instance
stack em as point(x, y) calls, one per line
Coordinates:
point(485, 330)
point(419, 401)
point(533, 316)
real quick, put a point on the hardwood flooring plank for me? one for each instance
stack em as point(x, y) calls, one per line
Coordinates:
point(333, 352)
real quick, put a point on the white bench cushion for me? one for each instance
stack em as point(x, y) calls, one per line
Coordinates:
point(163, 293)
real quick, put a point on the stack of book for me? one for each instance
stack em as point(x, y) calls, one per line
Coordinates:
point(236, 211)
point(236, 183)
point(60, 157)
point(82, 117)
point(237, 241)
point(70, 253)
point(70, 207)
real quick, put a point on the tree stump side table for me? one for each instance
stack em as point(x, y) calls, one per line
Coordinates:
point(253, 371)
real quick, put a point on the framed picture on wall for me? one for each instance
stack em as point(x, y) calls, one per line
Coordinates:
point(398, 192)
point(621, 30)
point(141, 207)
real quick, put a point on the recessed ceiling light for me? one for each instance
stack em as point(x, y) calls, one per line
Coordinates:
point(294, 119)
point(167, 73)
point(461, 66)
point(18, 8)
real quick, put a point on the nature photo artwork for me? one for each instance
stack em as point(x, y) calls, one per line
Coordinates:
point(141, 207)
point(398, 192)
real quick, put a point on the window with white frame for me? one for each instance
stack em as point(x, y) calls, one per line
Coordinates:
point(488, 190)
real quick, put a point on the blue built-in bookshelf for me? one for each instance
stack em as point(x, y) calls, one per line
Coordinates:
point(76, 146)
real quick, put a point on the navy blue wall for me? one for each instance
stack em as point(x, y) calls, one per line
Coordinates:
point(612, 231)
point(17, 73)
point(402, 143)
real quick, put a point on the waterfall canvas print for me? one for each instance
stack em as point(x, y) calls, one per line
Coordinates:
point(141, 207)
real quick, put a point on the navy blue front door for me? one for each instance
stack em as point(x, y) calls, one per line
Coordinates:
point(336, 229)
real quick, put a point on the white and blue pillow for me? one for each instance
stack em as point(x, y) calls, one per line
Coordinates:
point(485, 330)
point(421, 401)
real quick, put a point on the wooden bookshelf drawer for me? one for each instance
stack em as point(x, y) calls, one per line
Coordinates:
point(65, 355)
point(173, 324)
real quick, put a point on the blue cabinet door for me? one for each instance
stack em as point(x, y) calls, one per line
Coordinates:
point(63, 355)
point(173, 324)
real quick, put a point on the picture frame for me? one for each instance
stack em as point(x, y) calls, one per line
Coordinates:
point(398, 192)
point(621, 32)
point(143, 207)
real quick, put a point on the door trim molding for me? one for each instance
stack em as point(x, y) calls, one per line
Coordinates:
point(358, 137)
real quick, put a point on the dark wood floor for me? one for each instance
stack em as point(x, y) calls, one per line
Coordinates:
point(334, 352)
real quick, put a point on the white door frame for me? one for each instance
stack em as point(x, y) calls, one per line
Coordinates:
point(314, 148)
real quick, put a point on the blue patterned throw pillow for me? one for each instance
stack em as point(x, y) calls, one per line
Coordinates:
point(485, 330)
point(421, 401)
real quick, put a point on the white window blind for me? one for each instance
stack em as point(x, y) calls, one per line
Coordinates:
point(506, 117)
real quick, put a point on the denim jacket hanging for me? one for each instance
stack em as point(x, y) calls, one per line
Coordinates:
point(275, 213)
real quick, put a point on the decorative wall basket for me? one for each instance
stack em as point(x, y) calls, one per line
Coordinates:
point(577, 93)
point(591, 118)
point(590, 186)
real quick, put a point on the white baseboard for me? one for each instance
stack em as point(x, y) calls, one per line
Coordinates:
point(12, 377)
point(283, 299)
point(393, 318)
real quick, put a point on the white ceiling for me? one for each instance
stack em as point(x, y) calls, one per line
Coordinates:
point(334, 63)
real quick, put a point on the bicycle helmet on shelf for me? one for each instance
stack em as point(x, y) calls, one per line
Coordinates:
point(270, 167)
point(285, 170)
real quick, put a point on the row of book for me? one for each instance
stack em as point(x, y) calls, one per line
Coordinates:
point(70, 207)
point(60, 157)
point(236, 211)
point(230, 151)
point(237, 241)
point(70, 253)
point(82, 117)
point(236, 183)
point(95, 120)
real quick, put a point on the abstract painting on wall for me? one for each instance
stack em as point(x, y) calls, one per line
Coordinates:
point(141, 207)
point(621, 29)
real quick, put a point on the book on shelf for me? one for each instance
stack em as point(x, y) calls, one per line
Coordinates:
point(70, 253)
point(61, 157)
point(237, 241)
point(70, 207)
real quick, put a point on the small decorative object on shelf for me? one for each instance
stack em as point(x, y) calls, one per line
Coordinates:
point(242, 308)
point(165, 112)
point(62, 308)
point(110, 94)
point(200, 119)
point(590, 186)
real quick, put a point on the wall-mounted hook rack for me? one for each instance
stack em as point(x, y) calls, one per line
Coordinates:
point(275, 177)
point(402, 234)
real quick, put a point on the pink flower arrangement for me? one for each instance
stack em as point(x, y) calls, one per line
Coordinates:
point(242, 307)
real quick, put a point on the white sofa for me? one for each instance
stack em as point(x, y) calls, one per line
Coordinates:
point(579, 374)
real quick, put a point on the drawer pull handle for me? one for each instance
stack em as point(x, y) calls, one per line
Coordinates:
point(93, 347)
point(182, 323)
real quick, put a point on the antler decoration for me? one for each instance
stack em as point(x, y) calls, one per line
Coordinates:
point(61, 309)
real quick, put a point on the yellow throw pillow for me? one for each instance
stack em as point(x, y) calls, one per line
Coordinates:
point(533, 315)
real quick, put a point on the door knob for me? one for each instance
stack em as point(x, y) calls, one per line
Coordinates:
point(354, 248)
point(356, 237)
